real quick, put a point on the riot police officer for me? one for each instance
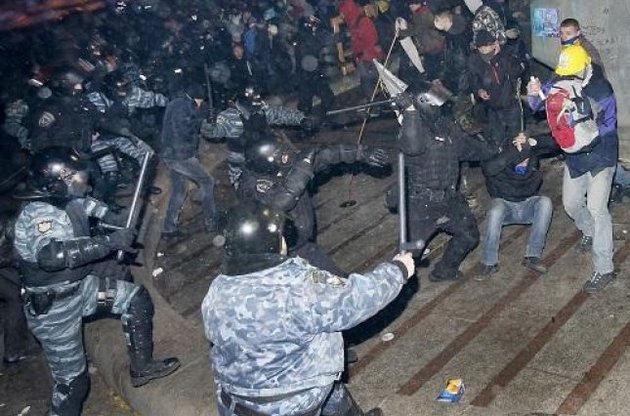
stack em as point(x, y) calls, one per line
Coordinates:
point(275, 322)
point(434, 146)
point(58, 258)
point(277, 175)
point(248, 116)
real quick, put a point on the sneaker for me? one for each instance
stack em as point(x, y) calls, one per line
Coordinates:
point(374, 412)
point(534, 263)
point(437, 278)
point(485, 271)
point(12, 359)
point(598, 281)
point(585, 245)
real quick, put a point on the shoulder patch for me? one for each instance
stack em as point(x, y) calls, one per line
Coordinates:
point(46, 119)
point(44, 226)
point(319, 276)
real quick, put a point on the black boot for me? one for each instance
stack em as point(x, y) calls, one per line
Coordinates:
point(138, 325)
point(73, 396)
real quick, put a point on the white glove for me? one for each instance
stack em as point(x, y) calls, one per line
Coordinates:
point(407, 260)
point(512, 33)
point(401, 24)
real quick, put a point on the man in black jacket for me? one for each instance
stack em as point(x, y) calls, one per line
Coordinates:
point(495, 77)
point(180, 151)
point(513, 180)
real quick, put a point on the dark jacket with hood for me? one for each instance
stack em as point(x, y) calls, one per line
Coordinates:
point(502, 181)
point(180, 128)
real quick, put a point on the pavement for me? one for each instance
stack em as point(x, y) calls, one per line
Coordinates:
point(522, 343)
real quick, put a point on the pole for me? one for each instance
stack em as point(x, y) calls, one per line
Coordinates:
point(402, 203)
point(359, 107)
point(134, 209)
point(350, 202)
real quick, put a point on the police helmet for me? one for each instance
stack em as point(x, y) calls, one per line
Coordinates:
point(68, 81)
point(268, 155)
point(58, 172)
point(252, 228)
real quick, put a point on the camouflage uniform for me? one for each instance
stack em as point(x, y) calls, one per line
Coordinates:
point(229, 125)
point(135, 148)
point(276, 333)
point(59, 330)
point(15, 113)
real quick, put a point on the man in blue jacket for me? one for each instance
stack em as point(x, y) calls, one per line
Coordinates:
point(588, 174)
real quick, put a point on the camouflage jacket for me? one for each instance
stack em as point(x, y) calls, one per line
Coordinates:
point(230, 125)
point(278, 330)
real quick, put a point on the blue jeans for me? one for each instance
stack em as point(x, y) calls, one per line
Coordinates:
point(622, 176)
point(585, 200)
point(535, 210)
point(182, 171)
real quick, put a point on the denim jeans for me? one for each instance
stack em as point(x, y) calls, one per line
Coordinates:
point(585, 200)
point(182, 171)
point(622, 176)
point(535, 210)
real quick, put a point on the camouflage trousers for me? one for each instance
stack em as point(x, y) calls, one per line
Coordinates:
point(60, 330)
point(326, 401)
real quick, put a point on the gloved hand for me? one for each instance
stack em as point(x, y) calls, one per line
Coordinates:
point(122, 239)
point(406, 259)
point(373, 156)
point(404, 100)
point(400, 24)
point(307, 156)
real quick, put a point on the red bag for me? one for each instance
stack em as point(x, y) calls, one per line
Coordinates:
point(570, 117)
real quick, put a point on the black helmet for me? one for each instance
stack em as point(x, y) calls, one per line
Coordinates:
point(253, 229)
point(57, 172)
point(68, 81)
point(268, 154)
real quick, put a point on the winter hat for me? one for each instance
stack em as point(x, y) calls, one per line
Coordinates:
point(195, 91)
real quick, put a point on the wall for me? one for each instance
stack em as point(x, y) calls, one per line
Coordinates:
point(606, 23)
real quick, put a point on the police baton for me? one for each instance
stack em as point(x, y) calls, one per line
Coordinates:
point(134, 210)
point(402, 210)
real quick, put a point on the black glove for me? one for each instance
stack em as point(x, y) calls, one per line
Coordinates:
point(403, 100)
point(373, 156)
point(122, 239)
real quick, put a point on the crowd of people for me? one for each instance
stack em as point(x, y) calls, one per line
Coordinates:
point(96, 94)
